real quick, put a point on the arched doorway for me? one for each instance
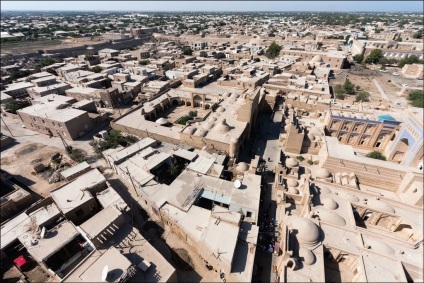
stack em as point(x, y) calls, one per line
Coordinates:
point(175, 102)
point(198, 101)
point(188, 103)
point(400, 150)
point(207, 106)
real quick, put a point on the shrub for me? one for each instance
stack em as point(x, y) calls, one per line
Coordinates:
point(300, 158)
point(96, 69)
point(14, 105)
point(310, 162)
point(376, 155)
point(340, 96)
point(362, 96)
point(416, 98)
point(358, 58)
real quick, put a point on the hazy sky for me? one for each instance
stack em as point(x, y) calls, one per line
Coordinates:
point(333, 6)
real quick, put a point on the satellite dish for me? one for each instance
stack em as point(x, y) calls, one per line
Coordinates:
point(43, 232)
point(237, 184)
point(104, 273)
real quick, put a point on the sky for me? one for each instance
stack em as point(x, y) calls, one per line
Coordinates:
point(330, 6)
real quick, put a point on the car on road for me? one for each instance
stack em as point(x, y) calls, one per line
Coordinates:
point(404, 85)
point(21, 262)
point(396, 74)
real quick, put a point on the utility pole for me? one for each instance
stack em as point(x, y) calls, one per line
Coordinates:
point(65, 144)
point(6, 126)
point(132, 182)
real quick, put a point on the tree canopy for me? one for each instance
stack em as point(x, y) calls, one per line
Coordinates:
point(14, 105)
point(409, 60)
point(416, 98)
point(374, 56)
point(362, 96)
point(203, 54)
point(187, 51)
point(376, 155)
point(273, 50)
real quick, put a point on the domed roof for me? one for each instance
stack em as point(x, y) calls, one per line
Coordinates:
point(222, 126)
point(291, 162)
point(226, 94)
point(380, 205)
point(162, 121)
point(315, 131)
point(330, 203)
point(201, 132)
point(293, 191)
point(292, 183)
point(308, 232)
point(378, 246)
point(335, 113)
point(208, 126)
point(220, 109)
point(311, 136)
point(211, 119)
point(329, 216)
point(348, 196)
point(323, 173)
point(307, 171)
point(189, 130)
point(324, 190)
point(289, 106)
point(307, 256)
point(346, 114)
point(242, 167)
point(316, 59)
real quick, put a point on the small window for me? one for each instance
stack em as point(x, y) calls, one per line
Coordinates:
point(43, 121)
point(249, 214)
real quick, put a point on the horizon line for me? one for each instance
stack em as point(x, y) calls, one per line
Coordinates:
point(19, 10)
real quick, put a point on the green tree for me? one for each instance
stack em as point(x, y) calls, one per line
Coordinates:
point(14, 105)
point(187, 51)
point(416, 98)
point(376, 155)
point(358, 58)
point(257, 59)
point(203, 54)
point(349, 87)
point(339, 89)
point(399, 39)
point(362, 96)
point(409, 60)
point(347, 39)
point(96, 69)
point(143, 62)
point(374, 56)
point(273, 50)
point(114, 139)
point(418, 34)
point(14, 75)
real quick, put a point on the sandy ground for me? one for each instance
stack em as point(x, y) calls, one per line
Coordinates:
point(21, 163)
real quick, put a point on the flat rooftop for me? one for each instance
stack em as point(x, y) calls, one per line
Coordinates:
point(100, 221)
point(52, 242)
point(75, 193)
point(117, 265)
point(75, 169)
